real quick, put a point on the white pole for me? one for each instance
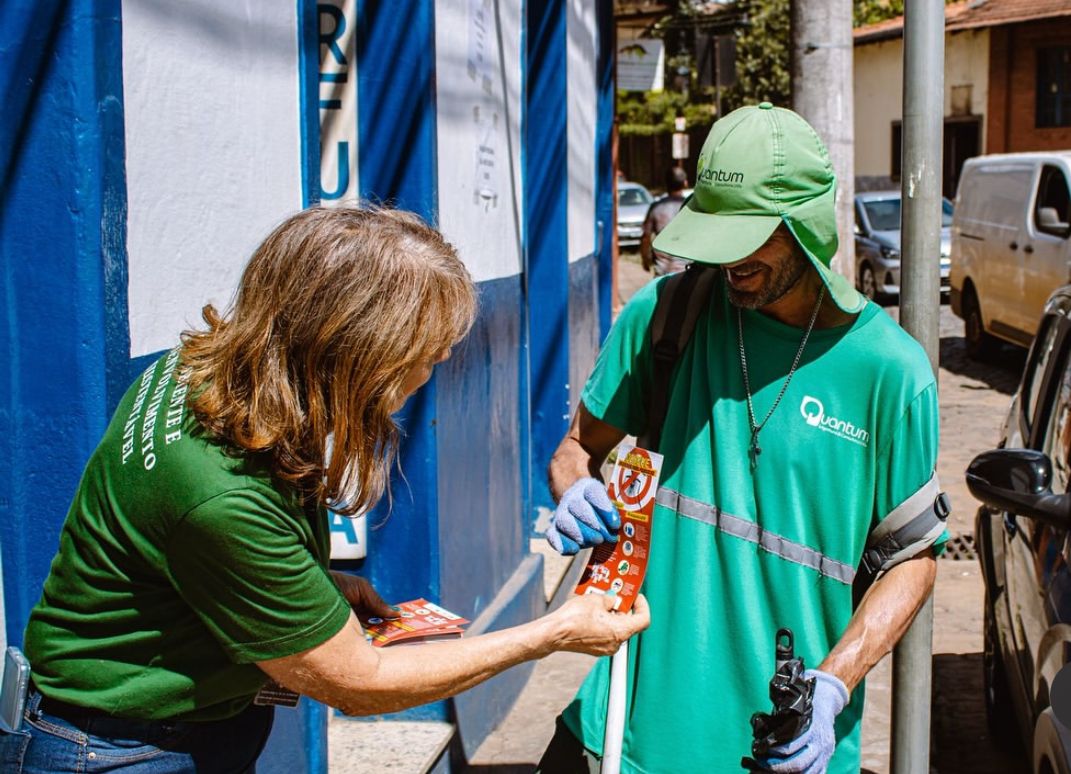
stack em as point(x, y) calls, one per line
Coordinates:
point(615, 712)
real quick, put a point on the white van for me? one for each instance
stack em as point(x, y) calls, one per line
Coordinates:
point(1010, 246)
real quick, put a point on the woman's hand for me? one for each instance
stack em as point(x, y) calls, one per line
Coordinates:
point(587, 624)
point(364, 599)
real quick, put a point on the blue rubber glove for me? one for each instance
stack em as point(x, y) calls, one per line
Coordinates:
point(584, 517)
point(810, 752)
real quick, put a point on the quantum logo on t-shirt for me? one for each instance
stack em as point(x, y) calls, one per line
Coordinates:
point(815, 415)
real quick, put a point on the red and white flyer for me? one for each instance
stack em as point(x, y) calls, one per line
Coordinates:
point(418, 621)
point(618, 568)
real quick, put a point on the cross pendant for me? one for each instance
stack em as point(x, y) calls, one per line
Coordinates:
point(754, 451)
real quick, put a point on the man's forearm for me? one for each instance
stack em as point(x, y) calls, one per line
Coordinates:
point(569, 463)
point(881, 619)
point(581, 452)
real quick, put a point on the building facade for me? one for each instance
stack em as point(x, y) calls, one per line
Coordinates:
point(1007, 86)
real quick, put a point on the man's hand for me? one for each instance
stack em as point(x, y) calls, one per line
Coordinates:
point(810, 751)
point(585, 517)
point(362, 597)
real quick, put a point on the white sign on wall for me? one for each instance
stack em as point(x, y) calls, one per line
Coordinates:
point(213, 152)
point(641, 65)
point(478, 107)
point(338, 101)
point(583, 112)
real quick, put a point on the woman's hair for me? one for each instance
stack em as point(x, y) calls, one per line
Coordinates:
point(334, 310)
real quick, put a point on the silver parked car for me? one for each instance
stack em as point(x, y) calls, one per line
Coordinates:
point(877, 243)
point(632, 203)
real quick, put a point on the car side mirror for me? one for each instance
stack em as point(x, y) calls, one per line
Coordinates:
point(1019, 481)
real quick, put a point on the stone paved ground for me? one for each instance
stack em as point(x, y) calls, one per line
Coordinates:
point(974, 399)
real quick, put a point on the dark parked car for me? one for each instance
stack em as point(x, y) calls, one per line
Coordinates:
point(1021, 533)
point(877, 243)
point(632, 203)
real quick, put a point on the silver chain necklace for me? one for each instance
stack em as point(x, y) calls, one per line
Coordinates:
point(754, 451)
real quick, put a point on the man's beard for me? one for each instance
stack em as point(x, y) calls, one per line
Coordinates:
point(782, 279)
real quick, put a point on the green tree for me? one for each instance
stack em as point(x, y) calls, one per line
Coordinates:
point(763, 54)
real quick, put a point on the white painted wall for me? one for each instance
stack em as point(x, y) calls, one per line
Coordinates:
point(213, 151)
point(582, 34)
point(478, 94)
point(879, 88)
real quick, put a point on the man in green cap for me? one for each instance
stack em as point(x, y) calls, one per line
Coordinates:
point(800, 444)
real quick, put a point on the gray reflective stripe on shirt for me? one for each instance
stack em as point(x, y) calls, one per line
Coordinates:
point(912, 526)
point(750, 531)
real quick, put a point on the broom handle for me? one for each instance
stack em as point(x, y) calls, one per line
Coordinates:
point(615, 712)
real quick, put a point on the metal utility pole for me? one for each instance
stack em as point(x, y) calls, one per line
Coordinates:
point(924, 67)
point(822, 94)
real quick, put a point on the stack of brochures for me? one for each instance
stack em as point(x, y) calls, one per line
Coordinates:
point(418, 621)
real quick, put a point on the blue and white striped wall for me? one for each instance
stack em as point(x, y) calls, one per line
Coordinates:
point(147, 147)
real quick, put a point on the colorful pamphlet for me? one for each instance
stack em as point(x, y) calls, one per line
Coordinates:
point(618, 568)
point(418, 621)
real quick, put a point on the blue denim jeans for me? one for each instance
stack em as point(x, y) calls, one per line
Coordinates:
point(97, 743)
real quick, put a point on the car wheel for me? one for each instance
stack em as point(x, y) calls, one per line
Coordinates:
point(980, 345)
point(868, 283)
point(1000, 717)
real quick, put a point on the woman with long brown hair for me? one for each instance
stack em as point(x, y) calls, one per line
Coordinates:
point(192, 566)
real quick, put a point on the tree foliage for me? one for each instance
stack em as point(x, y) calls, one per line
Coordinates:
point(763, 55)
point(870, 11)
point(763, 64)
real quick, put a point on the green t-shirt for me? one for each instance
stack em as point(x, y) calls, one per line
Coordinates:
point(738, 553)
point(181, 563)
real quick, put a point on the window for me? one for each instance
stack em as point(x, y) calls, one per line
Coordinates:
point(1052, 208)
point(1035, 371)
point(1058, 437)
point(884, 214)
point(1054, 87)
point(628, 197)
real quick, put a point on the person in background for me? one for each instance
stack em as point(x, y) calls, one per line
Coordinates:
point(193, 564)
point(660, 213)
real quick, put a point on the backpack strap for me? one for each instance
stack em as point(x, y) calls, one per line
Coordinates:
point(680, 300)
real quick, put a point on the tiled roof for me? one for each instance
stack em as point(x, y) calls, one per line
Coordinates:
point(972, 14)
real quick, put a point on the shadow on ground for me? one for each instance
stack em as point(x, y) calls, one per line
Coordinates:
point(1000, 372)
point(960, 740)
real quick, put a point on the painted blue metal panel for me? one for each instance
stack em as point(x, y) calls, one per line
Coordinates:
point(397, 136)
point(481, 532)
point(480, 709)
point(396, 103)
point(604, 172)
point(583, 321)
point(396, 131)
point(298, 741)
point(524, 373)
point(26, 33)
point(61, 214)
point(546, 192)
point(309, 80)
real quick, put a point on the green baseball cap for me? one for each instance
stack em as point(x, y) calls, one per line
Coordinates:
point(761, 166)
